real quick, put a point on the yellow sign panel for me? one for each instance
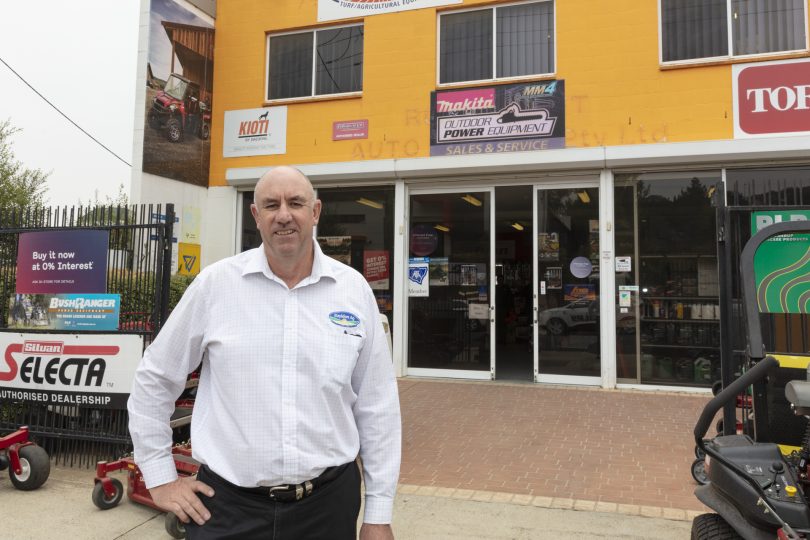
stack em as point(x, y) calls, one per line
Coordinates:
point(188, 259)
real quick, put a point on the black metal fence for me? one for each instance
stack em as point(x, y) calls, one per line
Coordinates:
point(138, 269)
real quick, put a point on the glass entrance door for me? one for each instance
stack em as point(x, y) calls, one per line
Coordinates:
point(450, 283)
point(566, 244)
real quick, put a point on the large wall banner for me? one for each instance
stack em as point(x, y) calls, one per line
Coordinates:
point(782, 265)
point(495, 119)
point(73, 261)
point(89, 369)
point(65, 311)
point(179, 85)
point(330, 10)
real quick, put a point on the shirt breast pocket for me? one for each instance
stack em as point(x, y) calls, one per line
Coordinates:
point(340, 355)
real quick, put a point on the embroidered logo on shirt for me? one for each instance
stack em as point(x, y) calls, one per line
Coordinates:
point(344, 318)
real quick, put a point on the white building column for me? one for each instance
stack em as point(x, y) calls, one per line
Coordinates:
point(607, 280)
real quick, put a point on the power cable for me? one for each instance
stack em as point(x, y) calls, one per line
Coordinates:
point(63, 114)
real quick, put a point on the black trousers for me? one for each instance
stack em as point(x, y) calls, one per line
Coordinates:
point(330, 513)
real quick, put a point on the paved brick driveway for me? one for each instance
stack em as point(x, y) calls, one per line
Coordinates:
point(617, 446)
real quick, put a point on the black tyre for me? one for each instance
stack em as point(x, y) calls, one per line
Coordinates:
point(35, 465)
point(175, 527)
point(699, 472)
point(712, 527)
point(556, 326)
point(205, 131)
point(699, 454)
point(154, 121)
point(174, 131)
point(101, 500)
point(717, 387)
point(3, 462)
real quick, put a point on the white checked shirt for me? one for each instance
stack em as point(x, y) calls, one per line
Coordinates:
point(292, 381)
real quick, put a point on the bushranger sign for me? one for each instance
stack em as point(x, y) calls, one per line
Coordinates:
point(93, 370)
point(771, 98)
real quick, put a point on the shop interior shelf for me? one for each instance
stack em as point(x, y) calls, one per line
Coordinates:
point(664, 346)
point(661, 320)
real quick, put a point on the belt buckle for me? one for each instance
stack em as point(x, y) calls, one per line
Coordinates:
point(271, 490)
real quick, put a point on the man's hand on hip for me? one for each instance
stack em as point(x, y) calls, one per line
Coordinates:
point(376, 532)
point(180, 497)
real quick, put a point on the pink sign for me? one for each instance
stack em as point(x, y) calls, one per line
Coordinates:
point(349, 129)
point(375, 268)
point(465, 100)
point(773, 98)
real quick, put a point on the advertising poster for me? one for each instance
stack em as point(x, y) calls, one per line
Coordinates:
point(51, 262)
point(496, 119)
point(781, 265)
point(554, 277)
point(337, 247)
point(375, 268)
point(418, 281)
point(179, 84)
point(190, 225)
point(349, 129)
point(94, 370)
point(188, 257)
point(585, 291)
point(548, 246)
point(255, 132)
point(64, 311)
point(439, 272)
point(331, 10)
point(424, 240)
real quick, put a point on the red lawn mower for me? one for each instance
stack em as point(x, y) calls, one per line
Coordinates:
point(28, 464)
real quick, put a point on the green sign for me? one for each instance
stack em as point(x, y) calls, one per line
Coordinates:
point(782, 265)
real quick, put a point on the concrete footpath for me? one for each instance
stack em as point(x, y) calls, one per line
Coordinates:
point(63, 508)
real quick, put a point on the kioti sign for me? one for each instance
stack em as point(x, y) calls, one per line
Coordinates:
point(771, 98)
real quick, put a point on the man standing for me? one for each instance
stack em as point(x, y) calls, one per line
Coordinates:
point(296, 382)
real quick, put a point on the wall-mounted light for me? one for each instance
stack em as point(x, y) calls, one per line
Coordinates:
point(441, 228)
point(584, 197)
point(369, 202)
point(472, 200)
point(517, 226)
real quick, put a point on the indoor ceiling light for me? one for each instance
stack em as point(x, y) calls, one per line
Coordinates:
point(369, 202)
point(517, 226)
point(472, 200)
point(584, 197)
point(441, 228)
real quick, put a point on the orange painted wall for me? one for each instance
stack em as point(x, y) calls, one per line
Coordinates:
point(607, 53)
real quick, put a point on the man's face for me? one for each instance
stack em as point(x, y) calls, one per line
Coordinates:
point(286, 212)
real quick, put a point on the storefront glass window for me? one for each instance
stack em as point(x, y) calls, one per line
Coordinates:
point(668, 318)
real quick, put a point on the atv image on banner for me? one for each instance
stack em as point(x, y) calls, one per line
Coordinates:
point(178, 110)
point(759, 490)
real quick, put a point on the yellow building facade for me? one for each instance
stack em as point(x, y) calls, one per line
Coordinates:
point(590, 261)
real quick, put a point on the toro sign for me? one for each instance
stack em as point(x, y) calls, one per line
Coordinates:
point(771, 98)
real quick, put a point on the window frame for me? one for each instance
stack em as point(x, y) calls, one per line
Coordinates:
point(312, 95)
point(730, 57)
point(495, 78)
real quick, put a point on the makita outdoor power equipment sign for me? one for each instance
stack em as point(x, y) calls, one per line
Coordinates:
point(62, 369)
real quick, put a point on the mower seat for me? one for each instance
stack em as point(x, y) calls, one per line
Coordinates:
point(798, 394)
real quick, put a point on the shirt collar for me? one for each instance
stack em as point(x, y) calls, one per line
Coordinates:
point(322, 266)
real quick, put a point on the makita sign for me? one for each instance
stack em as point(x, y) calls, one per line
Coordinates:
point(771, 98)
point(89, 370)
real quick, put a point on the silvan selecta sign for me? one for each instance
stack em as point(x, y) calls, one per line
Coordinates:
point(62, 369)
point(771, 98)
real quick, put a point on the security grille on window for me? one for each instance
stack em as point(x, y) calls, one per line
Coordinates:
point(695, 29)
point(334, 55)
point(501, 42)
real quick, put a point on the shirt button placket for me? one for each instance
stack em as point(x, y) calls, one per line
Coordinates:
point(289, 360)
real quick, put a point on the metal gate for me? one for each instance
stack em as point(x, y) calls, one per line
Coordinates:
point(138, 268)
point(781, 332)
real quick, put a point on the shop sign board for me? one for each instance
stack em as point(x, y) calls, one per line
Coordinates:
point(349, 129)
point(65, 311)
point(771, 98)
point(255, 132)
point(782, 264)
point(496, 119)
point(93, 370)
point(72, 261)
point(331, 10)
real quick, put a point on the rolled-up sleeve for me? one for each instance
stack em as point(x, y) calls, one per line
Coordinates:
point(377, 414)
point(159, 381)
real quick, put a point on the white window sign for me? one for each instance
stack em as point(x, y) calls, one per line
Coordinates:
point(623, 264)
point(418, 277)
point(255, 132)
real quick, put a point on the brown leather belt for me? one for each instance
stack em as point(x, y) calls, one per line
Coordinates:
point(285, 492)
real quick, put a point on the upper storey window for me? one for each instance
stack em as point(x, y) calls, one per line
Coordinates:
point(700, 29)
point(315, 63)
point(514, 40)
